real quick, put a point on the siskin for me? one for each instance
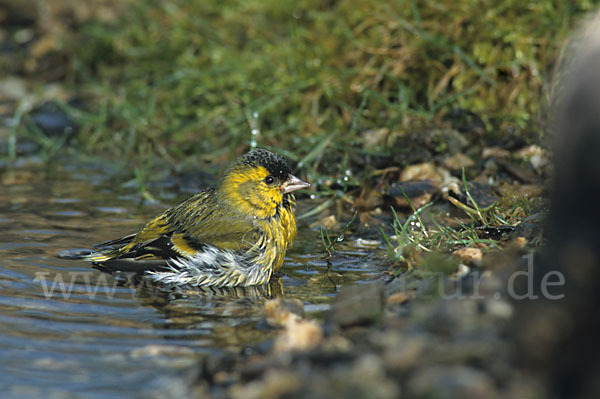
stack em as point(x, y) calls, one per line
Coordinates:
point(233, 234)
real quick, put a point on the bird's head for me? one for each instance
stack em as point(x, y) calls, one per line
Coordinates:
point(257, 182)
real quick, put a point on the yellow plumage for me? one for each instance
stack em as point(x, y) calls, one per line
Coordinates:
point(233, 234)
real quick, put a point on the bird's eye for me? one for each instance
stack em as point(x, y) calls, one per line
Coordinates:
point(269, 179)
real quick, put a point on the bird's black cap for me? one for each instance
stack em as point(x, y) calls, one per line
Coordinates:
point(274, 163)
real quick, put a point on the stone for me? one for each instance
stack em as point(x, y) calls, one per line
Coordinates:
point(424, 171)
point(279, 311)
point(358, 304)
point(276, 383)
point(398, 297)
point(53, 120)
point(469, 256)
point(419, 192)
point(402, 353)
point(452, 382)
point(495, 152)
point(458, 161)
point(299, 335)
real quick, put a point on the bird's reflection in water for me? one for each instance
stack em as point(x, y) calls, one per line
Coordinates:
point(147, 288)
point(228, 317)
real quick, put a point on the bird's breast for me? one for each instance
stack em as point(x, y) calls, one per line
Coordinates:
point(278, 233)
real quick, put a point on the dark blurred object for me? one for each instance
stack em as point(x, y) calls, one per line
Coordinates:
point(523, 174)
point(482, 194)
point(22, 147)
point(559, 339)
point(52, 120)
point(358, 304)
point(419, 193)
point(17, 13)
point(465, 121)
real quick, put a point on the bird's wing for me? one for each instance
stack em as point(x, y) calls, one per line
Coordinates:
point(204, 220)
point(181, 232)
point(159, 254)
point(114, 244)
point(150, 255)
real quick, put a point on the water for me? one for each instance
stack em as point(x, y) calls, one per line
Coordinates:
point(68, 330)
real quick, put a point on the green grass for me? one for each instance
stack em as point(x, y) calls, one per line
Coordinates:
point(416, 244)
point(185, 75)
point(414, 241)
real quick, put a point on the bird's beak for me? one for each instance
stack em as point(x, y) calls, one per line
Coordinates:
point(292, 184)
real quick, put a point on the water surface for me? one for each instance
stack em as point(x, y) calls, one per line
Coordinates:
point(68, 330)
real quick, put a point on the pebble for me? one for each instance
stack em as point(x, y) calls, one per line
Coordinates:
point(521, 173)
point(419, 192)
point(329, 222)
point(280, 311)
point(425, 171)
point(458, 161)
point(52, 120)
point(469, 256)
point(453, 382)
point(462, 271)
point(358, 304)
point(401, 353)
point(495, 152)
point(398, 297)
point(521, 242)
point(299, 335)
point(13, 88)
point(537, 156)
point(499, 308)
point(368, 372)
point(276, 383)
point(368, 244)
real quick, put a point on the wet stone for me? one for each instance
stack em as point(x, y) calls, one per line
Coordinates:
point(531, 228)
point(536, 155)
point(469, 256)
point(498, 308)
point(52, 120)
point(398, 297)
point(299, 335)
point(402, 353)
point(522, 173)
point(275, 384)
point(370, 371)
point(465, 121)
point(419, 192)
point(521, 242)
point(368, 199)
point(455, 382)
point(481, 193)
point(452, 316)
point(458, 161)
point(358, 304)
point(279, 311)
point(453, 140)
point(495, 232)
point(529, 190)
point(402, 284)
point(424, 171)
point(495, 152)
point(365, 377)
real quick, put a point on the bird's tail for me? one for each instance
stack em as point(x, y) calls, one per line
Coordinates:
point(101, 252)
point(86, 254)
point(76, 254)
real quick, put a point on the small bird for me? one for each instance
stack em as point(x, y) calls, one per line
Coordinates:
point(233, 234)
